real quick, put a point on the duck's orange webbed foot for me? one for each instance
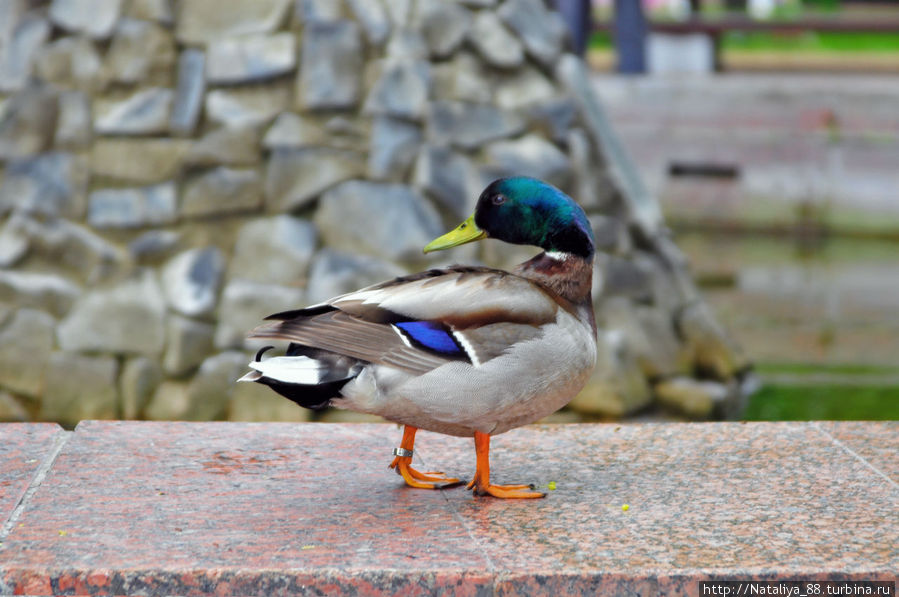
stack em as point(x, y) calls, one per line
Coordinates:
point(402, 464)
point(480, 485)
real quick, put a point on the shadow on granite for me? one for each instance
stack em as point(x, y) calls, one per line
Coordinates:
point(278, 509)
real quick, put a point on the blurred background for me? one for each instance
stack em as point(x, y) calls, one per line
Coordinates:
point(173, 171)
point(768, 130)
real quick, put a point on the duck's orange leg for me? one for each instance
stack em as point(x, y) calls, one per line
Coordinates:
point(402, 464)
point(481, 482)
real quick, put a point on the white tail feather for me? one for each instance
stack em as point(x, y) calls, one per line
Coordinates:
point(299, 369)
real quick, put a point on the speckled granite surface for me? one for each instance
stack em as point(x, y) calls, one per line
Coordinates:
point(23, 449)
point(277, 509)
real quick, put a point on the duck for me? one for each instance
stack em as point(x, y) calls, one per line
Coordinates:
point(464, 350)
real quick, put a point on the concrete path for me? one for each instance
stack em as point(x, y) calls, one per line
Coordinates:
point(277, 509)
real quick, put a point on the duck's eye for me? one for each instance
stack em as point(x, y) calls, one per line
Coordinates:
point(498, 199)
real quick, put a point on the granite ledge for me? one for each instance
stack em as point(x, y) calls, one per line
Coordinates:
point(280, 509)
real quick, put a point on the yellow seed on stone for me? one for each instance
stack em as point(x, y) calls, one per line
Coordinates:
point(551, 486)
point(63, 533)
point(308, 547)
point(625, 508)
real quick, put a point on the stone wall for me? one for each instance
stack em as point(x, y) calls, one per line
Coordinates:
point(172, 172)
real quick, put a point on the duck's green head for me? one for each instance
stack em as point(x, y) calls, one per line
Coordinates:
point(524, 211)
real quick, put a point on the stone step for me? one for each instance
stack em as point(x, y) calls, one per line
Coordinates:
point(278, 509)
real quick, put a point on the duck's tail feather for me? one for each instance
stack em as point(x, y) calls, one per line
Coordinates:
point(306, 376)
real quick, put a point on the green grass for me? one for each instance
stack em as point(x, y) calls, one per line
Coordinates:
point(833, 369)
point(762, 41)
point(811, 42)
point(839, 403)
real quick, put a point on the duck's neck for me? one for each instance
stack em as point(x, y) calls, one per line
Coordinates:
point(566, 274)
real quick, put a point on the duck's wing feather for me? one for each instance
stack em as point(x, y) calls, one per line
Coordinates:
point(420, 322)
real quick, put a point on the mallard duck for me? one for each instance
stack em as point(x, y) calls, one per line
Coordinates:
point(465, 351)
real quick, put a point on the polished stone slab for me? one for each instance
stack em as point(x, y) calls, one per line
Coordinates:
point(279, 509)
point(24, 448)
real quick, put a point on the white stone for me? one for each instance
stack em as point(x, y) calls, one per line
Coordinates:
point(274, 250)
point(133, 207)
point(127, 317)
point(145, 112)
point(250, 58)
point(96, 18)
point(191, 281)
point(245, 304)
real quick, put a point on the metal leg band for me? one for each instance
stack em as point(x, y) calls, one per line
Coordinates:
point(402, 452)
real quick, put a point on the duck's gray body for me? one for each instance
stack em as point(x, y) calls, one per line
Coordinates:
point(499, 349)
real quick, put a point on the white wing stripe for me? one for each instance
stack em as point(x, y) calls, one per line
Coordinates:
point(467, 347)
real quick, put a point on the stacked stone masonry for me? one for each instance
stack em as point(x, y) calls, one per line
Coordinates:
point(170, 172)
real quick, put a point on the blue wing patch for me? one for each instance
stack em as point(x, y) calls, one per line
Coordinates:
point(433, 336)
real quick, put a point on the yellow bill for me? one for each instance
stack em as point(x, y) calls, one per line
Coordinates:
point(465, 232)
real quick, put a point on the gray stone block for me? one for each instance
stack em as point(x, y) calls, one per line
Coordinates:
point(406, 44)
point(14, 243)
point(531, 155)
point(494, 42)
point(28, 123)
point(133, 207)
point(138, 160)
point(153, 244)
point(221, 191)
point(541, 31)
point(127, 317)
point(47, 292)
point(447, 176)
point(296, 177)
point(27, 36)
point(203, 21)
point(159, 11)
point(374, 19)
point(526, 87)
point(94, 18)
point(52, 184)
point(243, 307)
point(74, 126)
point(191, 281)
point(188, 343)
point(274, 250)
point(334, 273)
point(444, 26)
point(554, 118)
point(308, 11)
point(346, 213)
point(211, 388)
point(331, 67)
point(70, 245)
point(145, 112)
point(617, 386)
point(189, 92)
point(227, 146)
point(468, 125)
point(401, 90)
point(465, 78)
point(696, 399)
point(72, 62)
point(12, 410)
point(141, 51)
point(80, 387)
point(26, 341)
point(250, 58)
point(394, 144)
point(138, 381)
point(247, 106)
point(292, 131)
